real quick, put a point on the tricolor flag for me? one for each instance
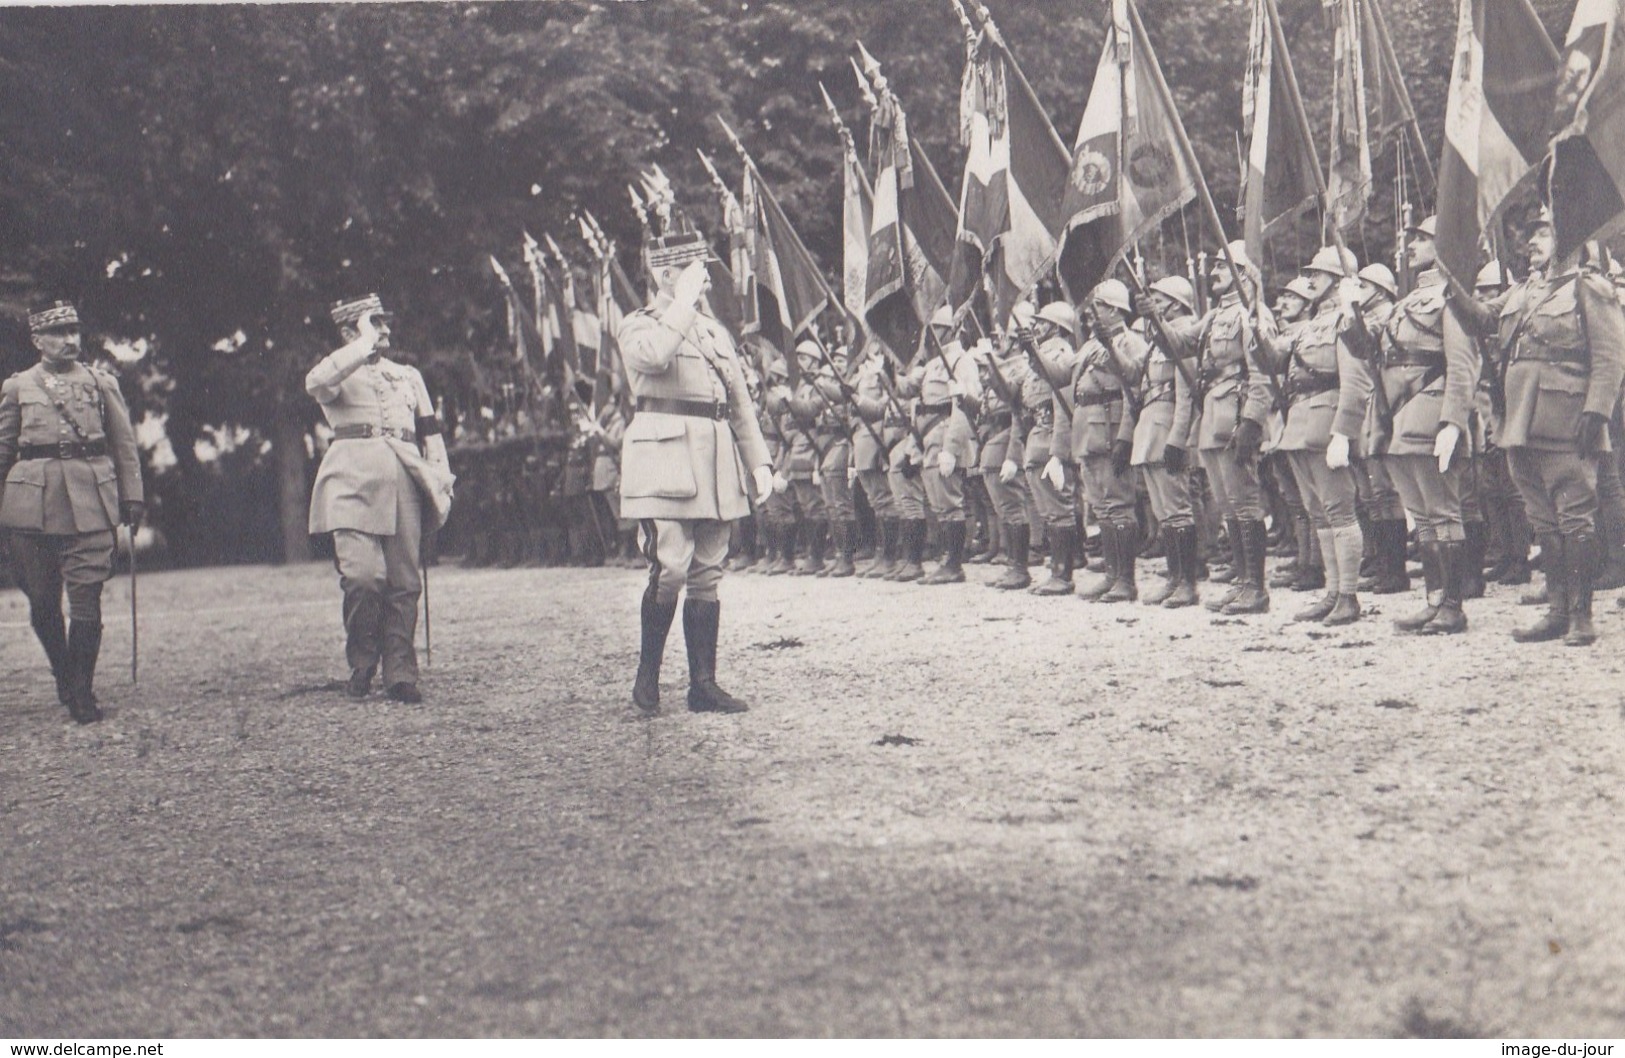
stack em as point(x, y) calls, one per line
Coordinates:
point(1281, 178)
point(789, 290)
point(1348, 176)
point(1130, 170)
point(1588, 164)
point(857, 210)
point(1016, 170)
point(1496, 121)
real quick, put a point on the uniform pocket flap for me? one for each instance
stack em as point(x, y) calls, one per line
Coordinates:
point(27, 472)
point(1564, 378)
point(655, 428)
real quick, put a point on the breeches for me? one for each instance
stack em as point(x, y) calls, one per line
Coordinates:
point(837, 493)
point(685, 554)
point(1057, 507)
point(908, 493)
point(1433, 499)
point(1235, 485)
point(1559, 489)
point(82, 562)
point(945, 492)
point(1376, 489)
point(1108, 493)
point(810, 499)
point(381, 582)
point(878, 492)
point(1009, 500)
point(1170, 496)
point(1328, 494)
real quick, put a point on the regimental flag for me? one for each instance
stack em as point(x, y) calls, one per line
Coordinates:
point(1281, 178)
point(857, 212)
point(529, 346)
point(1388, 99)
point(789, 290)
point(1130, 169)
point(1348, 176)
point(1496, 121)
point(1587, 186)
point(1016, 169)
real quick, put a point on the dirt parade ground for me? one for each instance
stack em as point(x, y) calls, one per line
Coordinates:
point(951, 811)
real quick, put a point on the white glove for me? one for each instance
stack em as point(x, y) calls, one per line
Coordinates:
point(764, 479)
point(851, 475)
point(946, 463)
point(1008, 472)
point(818, 477)
point(367, 329)
point(1337, 452)
point(1054, 473)
point(781, 484)
point(1349, 294)
point(1444, 446)
point(690, 284)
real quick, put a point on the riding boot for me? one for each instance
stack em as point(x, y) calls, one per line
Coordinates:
point(913, 552)
point(656, 622)
point(1124, 589)
point(1389, 576)
point(1110, 555)
point(817, 542)
point(886, 553)
point(1454, 560)
point(1185, 547)
point(1254, 597)
point(1472, 560)
point(1176, 568)
point(1238, 561)
point(1582, 552)
point(701, 618)
point(846, 533)
point(1062, 557)
point(1554, 623)
point(789, 533)
point(952, 568)
point(84, 646)
point(1433, 578)
point(48, 627)
point(1018, 544)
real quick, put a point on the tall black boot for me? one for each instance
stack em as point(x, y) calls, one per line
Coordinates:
point(84, 646)
point(1018, 545)
point(1582, 552)
point(886, 553)
point(1472, 559)
point(789, 533)
point(1124, 589)
point(952, 569)
point(846, 538)
point(48, 626)
point(1110, 555)
point(1238, 567)
point(1255, 596)
point(1176, 568)
point(657, 617)
point(817, 538)
point(1185, 547)
point(701, 619)
point(363, 637)
point(1390, 576)
point(1062, 552)
point(1555, 621)
point(1433, 587)
point(913, 542)
point(1454, 561)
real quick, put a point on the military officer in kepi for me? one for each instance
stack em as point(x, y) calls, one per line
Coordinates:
point(384, 479)
point(692, 446)
point(71, 474)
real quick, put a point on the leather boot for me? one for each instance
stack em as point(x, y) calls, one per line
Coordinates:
point(1124, 588)
point(886, 553)
point(745, 557)
point(84, 646)
point(1554, 623)
point(1018, 544)
point(1109, 554)
point(1583, 557)
point(817, 542)
point(786, 562)
point(656, 622)
point(1389, 576)
point(1433, 578)
point(913, 552)
point(48, 627)
point(701, 620)
point(1369, 559)
point(1238, 561)
point(1254, 597)
point(1175, 572)
point(984, 547)
point(846, 534)
point(1454, 561)
point(1310, 574)
point(952, 568)
point(1472, 560)
point(1346, 612)
point(1184, 594)
point(1062, 556)
point(1319, 609)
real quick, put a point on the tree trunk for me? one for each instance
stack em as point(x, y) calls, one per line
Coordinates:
point(293, 485)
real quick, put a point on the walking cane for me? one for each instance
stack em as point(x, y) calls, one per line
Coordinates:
point(135, 623)
point(428, 627)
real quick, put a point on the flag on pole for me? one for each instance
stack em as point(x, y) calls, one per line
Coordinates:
point(1016, 169)
point(790, 292)
point(1496, 122)
point(1130, 171)
point(1587, 186)
point(1281, 179)
point(857, 211)
point(1348, 176)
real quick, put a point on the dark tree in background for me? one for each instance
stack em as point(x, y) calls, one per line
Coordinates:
point(208, 179)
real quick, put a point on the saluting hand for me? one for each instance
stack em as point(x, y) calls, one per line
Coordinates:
point(691, 284)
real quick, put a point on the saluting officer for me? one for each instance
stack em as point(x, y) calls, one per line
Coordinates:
point(1561, 339)
point(950, 393)
point(1052, 472)
point(684, 463)
point(71, 475)
point(872, 442)
point(385, 473)
point(1000, 432)
point(1103, 437)
point(1163, 434)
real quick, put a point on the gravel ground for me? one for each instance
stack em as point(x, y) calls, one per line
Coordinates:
point(952, 811)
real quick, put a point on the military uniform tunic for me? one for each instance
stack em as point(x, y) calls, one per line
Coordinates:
point(1050, 431)
point(1100, 417)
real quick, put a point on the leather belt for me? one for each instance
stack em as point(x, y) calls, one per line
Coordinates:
point(695, 409)
point(1542, 355)
point(944, 408)
point(361, 431)
point(1308, 385)
point(1094, 400)
point(1429, 358)
point(893, 420)
point(999, 420)
point(66, 450)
